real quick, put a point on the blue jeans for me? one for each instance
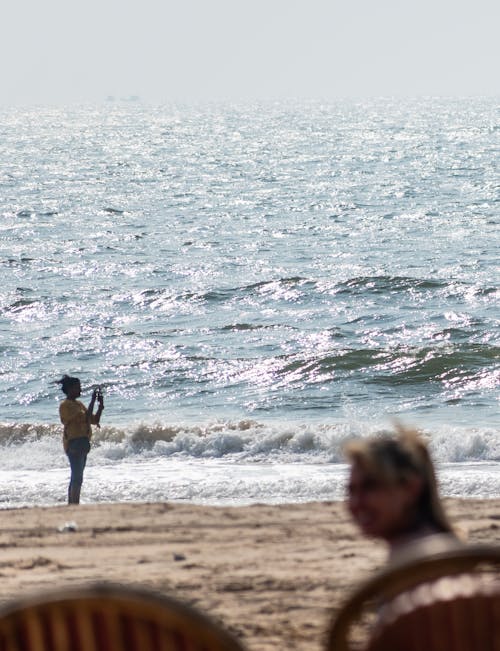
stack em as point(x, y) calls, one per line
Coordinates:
point(77, 454)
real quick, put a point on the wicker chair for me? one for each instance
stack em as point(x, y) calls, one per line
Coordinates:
point(105, 617)
point(440, 596)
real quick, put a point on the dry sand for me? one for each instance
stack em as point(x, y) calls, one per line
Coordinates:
point(273, 575)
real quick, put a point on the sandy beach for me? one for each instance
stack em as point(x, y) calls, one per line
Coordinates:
point(273, 575)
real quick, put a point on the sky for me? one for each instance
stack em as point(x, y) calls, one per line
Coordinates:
point(63, 51)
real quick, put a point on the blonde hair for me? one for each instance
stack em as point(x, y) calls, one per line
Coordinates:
point(396, 458)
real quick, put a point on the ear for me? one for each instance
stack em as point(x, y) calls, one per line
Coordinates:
point(414, 486)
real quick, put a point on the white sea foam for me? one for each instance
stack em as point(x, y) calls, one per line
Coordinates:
point(225, 463)
point(34, 446)
point(217, 482)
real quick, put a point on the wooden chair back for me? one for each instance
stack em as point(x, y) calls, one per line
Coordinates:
point(104, 617)
point(441, 596)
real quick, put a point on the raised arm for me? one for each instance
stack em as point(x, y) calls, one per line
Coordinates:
point(92, 418)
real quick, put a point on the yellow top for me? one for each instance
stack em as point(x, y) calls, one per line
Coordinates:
point(73, 415)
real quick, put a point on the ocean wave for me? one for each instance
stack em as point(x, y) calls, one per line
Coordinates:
point(387, 284)
point(224, 294)
point(19, 433)
point(400, 364)
point(448, 363)
point(293, 288)
point(242, 441)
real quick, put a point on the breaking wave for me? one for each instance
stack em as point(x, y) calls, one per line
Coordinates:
point(39, 446)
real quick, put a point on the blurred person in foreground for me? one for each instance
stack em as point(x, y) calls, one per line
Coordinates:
point(77, 420)
point(392, 492)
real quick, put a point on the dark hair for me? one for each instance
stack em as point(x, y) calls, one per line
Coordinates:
point(66, 382)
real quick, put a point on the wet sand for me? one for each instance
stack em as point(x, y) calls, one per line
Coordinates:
point(273, 575)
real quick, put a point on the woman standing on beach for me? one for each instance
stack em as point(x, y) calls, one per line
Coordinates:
point(77, 420)
point(392, 490)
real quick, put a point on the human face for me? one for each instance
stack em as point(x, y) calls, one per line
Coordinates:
point(381, 510)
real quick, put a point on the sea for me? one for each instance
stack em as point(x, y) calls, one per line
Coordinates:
point(252, 285)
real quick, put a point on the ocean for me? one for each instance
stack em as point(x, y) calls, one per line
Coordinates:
point(252, 285)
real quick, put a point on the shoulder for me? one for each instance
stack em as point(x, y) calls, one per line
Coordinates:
point(71, 407)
